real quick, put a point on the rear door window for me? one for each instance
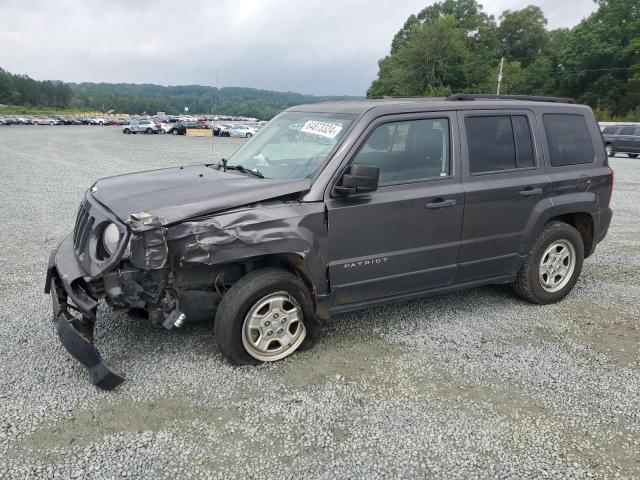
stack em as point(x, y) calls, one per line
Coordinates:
point(499, 143)
point(569, 139)
point(610, 130)
point(627, 131)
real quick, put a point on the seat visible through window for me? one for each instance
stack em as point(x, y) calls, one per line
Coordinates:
point(408, 151)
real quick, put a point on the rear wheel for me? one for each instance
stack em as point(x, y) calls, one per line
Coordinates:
point(174, 131)
point(632, 155)
point(127, 131)
point(148, 130)
point(610, 150)
point(248, 135)
point(553, 265)
point(265, 316)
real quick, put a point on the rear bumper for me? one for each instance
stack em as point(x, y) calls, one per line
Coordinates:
point(76, 330)
point(605, 221)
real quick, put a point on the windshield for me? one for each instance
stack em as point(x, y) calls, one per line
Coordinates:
point(293, 144)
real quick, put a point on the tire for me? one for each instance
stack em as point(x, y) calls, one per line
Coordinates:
point(632, 155)
point(260, 287)
point(174, 131)
point(248, 135)
point(148, 130)
point(126, 131)
point(555, 238)
point(611, 151)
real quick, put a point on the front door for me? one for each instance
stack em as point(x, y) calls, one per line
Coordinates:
point(404, 237)
point(504, 179)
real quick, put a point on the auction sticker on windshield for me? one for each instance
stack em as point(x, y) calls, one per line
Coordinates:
point(324, 129)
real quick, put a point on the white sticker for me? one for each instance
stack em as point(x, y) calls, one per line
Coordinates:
point(327, 130)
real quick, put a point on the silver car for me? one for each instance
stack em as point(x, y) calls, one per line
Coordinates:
point(45, 121)
point(141, 126)
point(244, 131)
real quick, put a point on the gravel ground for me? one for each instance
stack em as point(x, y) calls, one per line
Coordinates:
point(475, 384)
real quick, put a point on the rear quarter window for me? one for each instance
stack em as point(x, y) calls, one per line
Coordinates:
point(569, 139)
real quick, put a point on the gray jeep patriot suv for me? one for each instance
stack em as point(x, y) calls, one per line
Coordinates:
point(335, 207)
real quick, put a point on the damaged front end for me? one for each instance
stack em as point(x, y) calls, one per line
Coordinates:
point(133, 278)
point(168, 271)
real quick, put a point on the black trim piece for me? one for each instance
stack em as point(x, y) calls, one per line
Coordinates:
point(528, 98)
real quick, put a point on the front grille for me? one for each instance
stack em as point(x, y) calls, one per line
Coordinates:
point(82, 230)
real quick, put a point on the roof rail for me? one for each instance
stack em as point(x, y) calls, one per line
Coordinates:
point(400, 97)
point(530, 98)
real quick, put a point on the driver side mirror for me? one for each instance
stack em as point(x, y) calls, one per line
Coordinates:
point(358, 179)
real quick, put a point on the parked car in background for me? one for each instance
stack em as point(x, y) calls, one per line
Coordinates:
point(22, 120)
point(168, 124)
point(141, 126)
point(181, 128)
point(45, 121)
point(6, 121)
point(117, 121)
point(221, 130)
point(244, 131)
point(63, 120)
point(622, 139)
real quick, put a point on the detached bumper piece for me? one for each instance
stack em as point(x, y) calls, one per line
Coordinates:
point(76, 334)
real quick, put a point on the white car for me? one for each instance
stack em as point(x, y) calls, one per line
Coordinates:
point(244, 131)
point(45, 121)
point(141, 126)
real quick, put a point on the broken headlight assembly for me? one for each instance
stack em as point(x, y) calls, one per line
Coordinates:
point(110, 239)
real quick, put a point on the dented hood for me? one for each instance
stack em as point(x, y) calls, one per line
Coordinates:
point(175, 194)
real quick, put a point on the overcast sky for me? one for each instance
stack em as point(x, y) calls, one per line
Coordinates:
point(308, 46)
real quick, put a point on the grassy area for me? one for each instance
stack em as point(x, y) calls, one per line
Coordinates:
point(28, 110)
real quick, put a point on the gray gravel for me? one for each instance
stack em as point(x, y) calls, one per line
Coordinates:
point(475, 384)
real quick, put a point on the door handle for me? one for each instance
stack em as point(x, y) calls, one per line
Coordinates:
point(529, 191)
point(439, 203)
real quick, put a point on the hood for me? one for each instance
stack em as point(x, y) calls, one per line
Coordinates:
point(174, 194)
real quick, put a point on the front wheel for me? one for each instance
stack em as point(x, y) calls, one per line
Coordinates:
point(148, 130)
point(552, 266)
point(248, 135)
point(632, 155)
point(174, 131)
point(265, 316)
point(127, 131)
point(611, 152)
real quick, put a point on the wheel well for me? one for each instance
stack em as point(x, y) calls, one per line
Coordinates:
point(583, 223)
point(292, 262)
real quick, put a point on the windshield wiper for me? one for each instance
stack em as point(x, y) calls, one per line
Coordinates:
point(240, 168)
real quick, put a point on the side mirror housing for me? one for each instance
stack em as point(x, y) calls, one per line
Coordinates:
point(358, 179)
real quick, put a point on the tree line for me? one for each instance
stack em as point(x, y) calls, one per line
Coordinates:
point(22, 90)
point(454, 46)
point(148, 98)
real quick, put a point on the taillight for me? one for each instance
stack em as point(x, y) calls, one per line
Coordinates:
point(613, 175)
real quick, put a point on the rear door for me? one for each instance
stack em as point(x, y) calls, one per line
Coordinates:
point(404, 237)
point(635, 141)
point(504, 179)
point(625, 141)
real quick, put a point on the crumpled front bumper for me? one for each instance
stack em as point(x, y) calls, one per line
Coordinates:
point(64, 277)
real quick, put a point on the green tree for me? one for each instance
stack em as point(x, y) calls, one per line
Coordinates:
point(432, 59)
point(523, 34)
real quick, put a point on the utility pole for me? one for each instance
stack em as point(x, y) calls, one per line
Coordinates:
point(500, 75)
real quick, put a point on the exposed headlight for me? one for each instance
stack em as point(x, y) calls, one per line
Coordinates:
point(110, 238)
